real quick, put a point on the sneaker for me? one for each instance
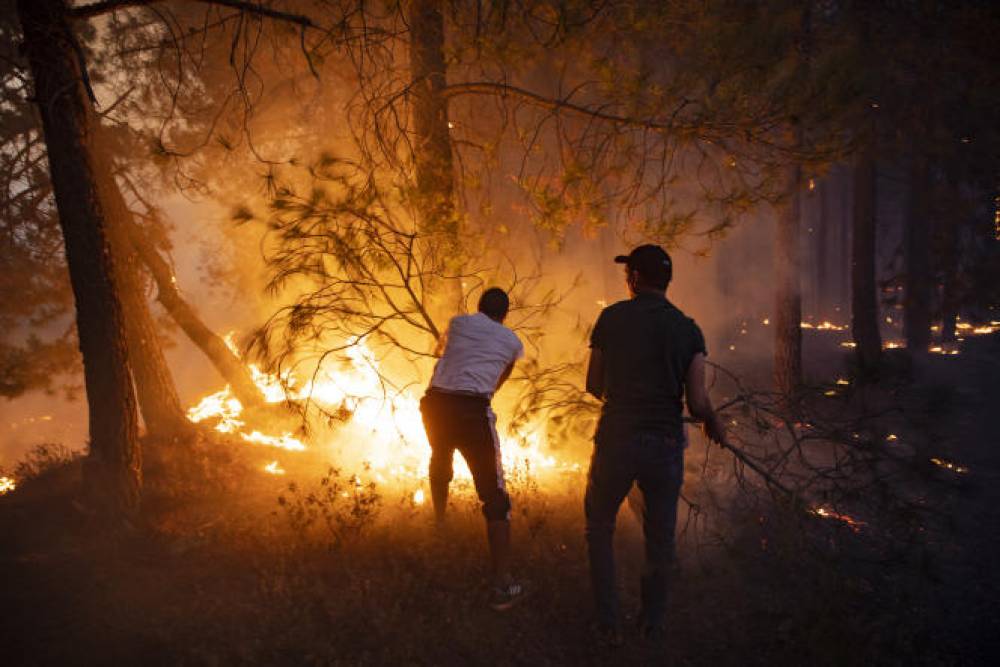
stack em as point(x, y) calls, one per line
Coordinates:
point(505, 597)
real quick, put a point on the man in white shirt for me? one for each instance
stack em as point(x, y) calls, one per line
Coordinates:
point(478, 357)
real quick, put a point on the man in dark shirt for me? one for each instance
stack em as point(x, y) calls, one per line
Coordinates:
point(646, 356)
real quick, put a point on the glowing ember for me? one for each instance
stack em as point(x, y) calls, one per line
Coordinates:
point(7, 484)
point(893, 345)
point(891, 437)
point(274, 468)
point(851, 522)
point(849, 343)
point(418, 497)
point(824, 326)
point(948, 465)
point(842, 381)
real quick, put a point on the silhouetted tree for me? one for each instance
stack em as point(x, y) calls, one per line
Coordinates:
point(79, 170)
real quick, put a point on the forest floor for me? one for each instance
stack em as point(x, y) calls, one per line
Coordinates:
point(221, 572)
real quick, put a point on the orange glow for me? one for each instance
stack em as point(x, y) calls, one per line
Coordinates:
point(7, 484)
point(827, 513)
point(825, 325)
point(388, 425)
point(274, 468)
point(948, 465)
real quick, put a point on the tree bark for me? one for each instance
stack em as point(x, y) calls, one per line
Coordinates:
point(864, 297)
point(788, 290)
point(845, 195)
point(951, 260)
point(154, 384)
point(918, 285)
point(232, 369)
point(432, 145)
point(433, 162)
point(112, 469)
point(822, 251)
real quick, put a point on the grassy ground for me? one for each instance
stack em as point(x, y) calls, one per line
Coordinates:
point(223, 573)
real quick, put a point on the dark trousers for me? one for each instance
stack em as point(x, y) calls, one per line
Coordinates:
point(655, 464)
point(466, 423)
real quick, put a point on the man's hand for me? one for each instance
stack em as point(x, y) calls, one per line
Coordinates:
point(715, 430)
point(699, 404)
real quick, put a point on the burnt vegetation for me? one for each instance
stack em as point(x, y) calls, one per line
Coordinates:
point(356, 174)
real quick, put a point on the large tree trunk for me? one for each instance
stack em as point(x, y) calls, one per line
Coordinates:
point(432, 158)
point(919, 284)
point(864, 300)
point(232, 369)
point(112, 470)
point(158, 400)
point(788, 290)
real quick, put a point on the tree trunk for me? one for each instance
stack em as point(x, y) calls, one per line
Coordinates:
point(112, 470)
point(232, 369)
point(864, 298)
point(845, 195)
point(154, 385)
point(433, 163)
point(788, 290)
point(822, 251)
point(919, 286)
point(950, 259)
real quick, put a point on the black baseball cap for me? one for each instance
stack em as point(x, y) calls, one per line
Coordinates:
point(651, 261)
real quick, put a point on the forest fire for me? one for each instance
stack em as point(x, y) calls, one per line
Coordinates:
point(7, 484)
point(386, 425)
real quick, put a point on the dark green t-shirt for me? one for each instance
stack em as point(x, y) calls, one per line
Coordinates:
point(646, 344)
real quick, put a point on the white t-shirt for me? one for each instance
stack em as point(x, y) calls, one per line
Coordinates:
point(477, 350)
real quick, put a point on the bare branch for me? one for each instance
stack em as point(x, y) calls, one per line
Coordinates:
point(99, 8)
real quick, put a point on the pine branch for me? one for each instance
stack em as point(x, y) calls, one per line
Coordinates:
point(504, 89)
point(107, 6)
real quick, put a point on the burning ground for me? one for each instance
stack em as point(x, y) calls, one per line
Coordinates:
point(259, 553)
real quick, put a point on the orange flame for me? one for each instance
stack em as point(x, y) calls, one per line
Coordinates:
point(387, 425)
point(7, 484)
point(854, 524)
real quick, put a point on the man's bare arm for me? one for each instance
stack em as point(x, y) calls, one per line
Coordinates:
point(442, 342)
point(595, 374)
point(503, 376)
point(699, 404)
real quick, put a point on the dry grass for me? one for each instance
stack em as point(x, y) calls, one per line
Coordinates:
point(248, 568)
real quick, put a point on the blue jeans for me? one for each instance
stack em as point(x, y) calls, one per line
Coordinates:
point(655, 463)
